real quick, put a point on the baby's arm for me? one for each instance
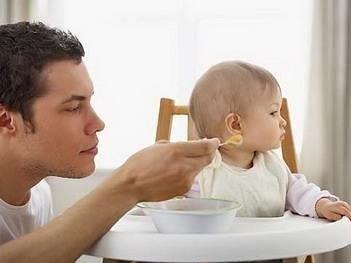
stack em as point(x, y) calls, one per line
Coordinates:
point(308, 199)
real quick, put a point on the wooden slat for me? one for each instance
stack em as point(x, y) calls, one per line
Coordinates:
point(107, 260)
point(288, 148)
point(181, 110)
point(165, 118)
point(310, 259)
point(301, 259)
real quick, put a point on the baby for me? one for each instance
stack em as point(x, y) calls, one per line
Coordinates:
point(239, 99)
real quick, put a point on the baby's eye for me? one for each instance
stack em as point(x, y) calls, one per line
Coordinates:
point(274, 113)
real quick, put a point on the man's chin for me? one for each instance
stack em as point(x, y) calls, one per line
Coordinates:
point(87, 172)
point(75, 173)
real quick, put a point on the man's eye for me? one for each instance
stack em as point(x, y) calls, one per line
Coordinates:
point(75, 109)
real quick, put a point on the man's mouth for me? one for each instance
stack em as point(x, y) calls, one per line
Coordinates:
point(93, 150)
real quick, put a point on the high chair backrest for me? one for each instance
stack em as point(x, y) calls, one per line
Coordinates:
point(168, 108)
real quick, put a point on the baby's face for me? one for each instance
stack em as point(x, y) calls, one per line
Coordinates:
point(263, 126)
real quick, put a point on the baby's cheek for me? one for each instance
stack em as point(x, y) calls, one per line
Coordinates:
point(259, 135)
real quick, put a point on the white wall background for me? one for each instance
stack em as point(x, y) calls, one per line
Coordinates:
point(139, 51)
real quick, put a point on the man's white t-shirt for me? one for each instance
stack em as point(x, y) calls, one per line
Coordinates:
point(16, 221)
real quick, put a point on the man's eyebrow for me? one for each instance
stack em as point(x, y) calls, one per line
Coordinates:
point(73, 98)
point(76, 97)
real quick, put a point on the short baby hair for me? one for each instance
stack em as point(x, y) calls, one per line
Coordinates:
point(227, 87)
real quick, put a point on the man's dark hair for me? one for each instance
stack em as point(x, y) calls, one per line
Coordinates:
point(25, 49)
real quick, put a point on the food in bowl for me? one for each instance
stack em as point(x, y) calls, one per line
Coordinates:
point(191, 215)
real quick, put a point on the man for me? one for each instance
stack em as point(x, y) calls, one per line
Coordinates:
point(49, 128)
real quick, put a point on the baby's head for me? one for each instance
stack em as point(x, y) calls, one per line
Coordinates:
point(227, 94)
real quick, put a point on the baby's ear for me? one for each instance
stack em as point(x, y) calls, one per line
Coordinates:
point(233, 123)
point(6, 121)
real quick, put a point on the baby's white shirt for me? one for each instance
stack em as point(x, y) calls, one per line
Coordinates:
point(267, 189)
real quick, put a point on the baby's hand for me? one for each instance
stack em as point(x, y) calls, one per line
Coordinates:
point(332, 210)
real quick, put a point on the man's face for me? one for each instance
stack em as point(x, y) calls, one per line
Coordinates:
point(64, 141)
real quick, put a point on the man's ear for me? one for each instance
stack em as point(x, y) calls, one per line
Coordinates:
point(233, 123)
point(7, 124)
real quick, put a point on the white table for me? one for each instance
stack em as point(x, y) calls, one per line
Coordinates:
point(135, 238)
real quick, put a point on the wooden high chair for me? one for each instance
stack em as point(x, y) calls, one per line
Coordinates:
point(164, 127)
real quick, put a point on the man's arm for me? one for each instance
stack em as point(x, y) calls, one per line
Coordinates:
point(66, 237)
point(156, 173)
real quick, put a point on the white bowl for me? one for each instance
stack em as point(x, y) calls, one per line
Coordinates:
point(198, 215)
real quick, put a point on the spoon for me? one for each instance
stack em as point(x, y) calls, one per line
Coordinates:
point(233, 140)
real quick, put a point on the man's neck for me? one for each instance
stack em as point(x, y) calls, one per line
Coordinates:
point(15, 184)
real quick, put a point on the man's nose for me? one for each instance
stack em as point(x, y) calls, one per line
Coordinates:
point(95, 124)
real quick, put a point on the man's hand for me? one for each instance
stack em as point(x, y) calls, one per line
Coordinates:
point(158, 172)
point(165, 170)
point(332, 210)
